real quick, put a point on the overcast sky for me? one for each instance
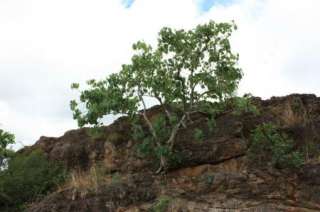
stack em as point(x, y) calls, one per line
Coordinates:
point(46, 45)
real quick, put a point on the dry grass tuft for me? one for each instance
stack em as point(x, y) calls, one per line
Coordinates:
point(82, 183)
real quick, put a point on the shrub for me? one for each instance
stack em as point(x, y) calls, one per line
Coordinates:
point(6, 139)
point(198, 134)
point(95, 132)
point(268, 144)
point(211, 125)
point(156, 148)
point(244, 105)
point(161, 205)
point(27, 178)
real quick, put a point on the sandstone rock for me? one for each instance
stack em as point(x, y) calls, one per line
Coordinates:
point(213, 175)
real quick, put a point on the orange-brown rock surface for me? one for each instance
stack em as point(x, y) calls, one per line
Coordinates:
point(213, 175)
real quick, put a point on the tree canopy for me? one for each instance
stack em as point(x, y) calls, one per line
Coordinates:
point(6, 139)
point(186, 68)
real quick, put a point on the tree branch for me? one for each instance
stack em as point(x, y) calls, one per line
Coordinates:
point(168, 114)
point(174, 133)
point(145, 115)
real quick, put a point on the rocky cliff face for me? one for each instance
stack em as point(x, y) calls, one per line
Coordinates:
point(214, 174)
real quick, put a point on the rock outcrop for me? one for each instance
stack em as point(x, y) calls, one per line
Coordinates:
point(213, 175)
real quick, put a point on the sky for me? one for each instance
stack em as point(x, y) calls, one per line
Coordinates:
point(47, 45)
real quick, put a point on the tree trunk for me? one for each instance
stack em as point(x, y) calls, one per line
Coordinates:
point(174, 132)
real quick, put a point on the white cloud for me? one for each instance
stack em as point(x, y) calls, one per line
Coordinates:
point(46, 45)
point(278, 42)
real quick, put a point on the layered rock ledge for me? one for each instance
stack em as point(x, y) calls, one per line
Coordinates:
point(213, 175)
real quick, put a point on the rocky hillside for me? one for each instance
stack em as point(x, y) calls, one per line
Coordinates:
point(214, 174)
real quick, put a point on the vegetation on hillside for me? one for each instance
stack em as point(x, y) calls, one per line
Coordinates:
point(191, 74)
point(25, 177)
point(188, 69)
point(269, 145)
point(6, 139)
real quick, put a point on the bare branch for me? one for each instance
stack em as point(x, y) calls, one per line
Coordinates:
point(146, 117)
point(174, 132)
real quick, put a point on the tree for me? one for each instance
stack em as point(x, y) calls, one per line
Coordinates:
point(186, 68)
point(6, 139)
point(28, 177)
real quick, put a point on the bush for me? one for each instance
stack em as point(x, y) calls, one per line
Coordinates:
point(198, 135)
point(161, 205)
point(6, 139)
point(156, 148)
point(27, 178)
point(244, 105)
point(268, 144)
